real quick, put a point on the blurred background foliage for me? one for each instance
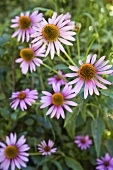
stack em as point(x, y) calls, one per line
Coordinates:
point(92, 116)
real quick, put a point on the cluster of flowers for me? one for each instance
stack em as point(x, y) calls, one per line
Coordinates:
point(47, 37)
point(14, 154)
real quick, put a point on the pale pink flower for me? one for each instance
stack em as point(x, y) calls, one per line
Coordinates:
point(25, 22)
point(13, 153)
point(45, 148)
point(67, 17)
point(58, 100)
point(30, 58)
point(53, 32)
point(105, 163)
point(22, 98)
point(58, 78)
point(89, 74)
point(83, 142)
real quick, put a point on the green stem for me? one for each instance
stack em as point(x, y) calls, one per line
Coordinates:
point(70, 59)
point(78, 45)
point(63, 60)
point(49, 68)
point(89, 47)
point(37, 153)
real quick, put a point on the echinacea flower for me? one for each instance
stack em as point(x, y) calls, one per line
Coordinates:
point(30, 58)
point(83, 142)
point(13, 153)
point(25, 22)
point(53, 32)
point(89, 74)
point(105, 163)
point(58, 100)
point(45, 148)
point(59, 78)
point(22, 98)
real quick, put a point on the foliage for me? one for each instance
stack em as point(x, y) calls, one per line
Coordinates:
point(92, 116)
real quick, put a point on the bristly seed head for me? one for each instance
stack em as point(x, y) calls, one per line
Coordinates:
point(57, 99)
point(22, 95)
point(11, 152)
point(47, 148)
point(106, 163)
point(50, 32)
point(87, 71)
point(24, 22)
point(27, 54)
point(83, 141)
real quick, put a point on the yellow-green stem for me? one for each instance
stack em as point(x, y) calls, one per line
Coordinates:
point(78, 45)
point(70, 59)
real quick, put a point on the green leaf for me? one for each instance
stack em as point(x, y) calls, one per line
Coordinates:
point(41, 9)
point(97, 128)
point(73, 164)
point(29, 122)
point(60, 66)
point(45, 167)
point(109, 145)
point(70, 124)
point(59, 167)
point(2, 96)
point(22, 114)
point(108, 92)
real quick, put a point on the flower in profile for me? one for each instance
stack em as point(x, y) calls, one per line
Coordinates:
point(22, 98)
point(45, 148)
point(25, 24)
point(89, 74)
point(105, 163)
point(58, 100)
point(13, 153)
point(83, 142)
point(53, 32)
point(59, 78)
point(29, 59)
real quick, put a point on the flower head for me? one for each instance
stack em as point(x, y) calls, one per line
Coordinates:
point(89, 74)
point(29, 59)
point(105, 163)
point(59, 78)
point(24, 97)
point(14, 153)
point(25, 24)
point(53, 32)
point(83, 142)
point(45, 148)
point(58, 100)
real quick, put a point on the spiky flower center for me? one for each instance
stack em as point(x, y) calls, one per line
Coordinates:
point(11, 152)
point(57, 99)
point(106, 163)
point(22, 95)
point(83, 141)
point(58, 77)
point(87, 71)
point(24, 22)
point(27, 54)
point(50, 32)
point(47, 148)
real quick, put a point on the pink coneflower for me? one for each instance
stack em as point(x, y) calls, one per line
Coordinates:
point(53, 32)
point(59, 78)
point(14, 153)
point(24, 97)
point(58, 100)
point(105, 163)
point(28, 58)
point(83, 142)
point(88, 74)
point(25, 24)
point(45, 148)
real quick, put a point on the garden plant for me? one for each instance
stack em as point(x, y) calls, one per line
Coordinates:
point(56, 85)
